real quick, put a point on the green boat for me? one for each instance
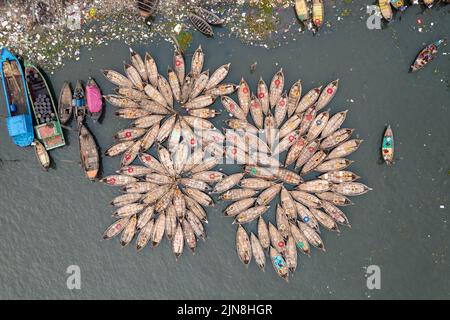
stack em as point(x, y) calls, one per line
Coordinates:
point(47, 126)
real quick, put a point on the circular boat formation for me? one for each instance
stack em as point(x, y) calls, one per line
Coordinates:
point(166, 193)
point(292, 151)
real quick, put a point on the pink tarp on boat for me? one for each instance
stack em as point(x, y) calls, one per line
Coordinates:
point(94, 99)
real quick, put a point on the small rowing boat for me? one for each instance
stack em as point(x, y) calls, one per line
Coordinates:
point(302, 11)
point(201, 25)
point(65, 107)
point(94, 100)
point(317, 13)
point(208, 16)
point(79, 103)
point(387, 149)
point(386, 9)
point(18, 121)
point(426, 55)
point(41, 155)
point(48, 128)
point(90, 160)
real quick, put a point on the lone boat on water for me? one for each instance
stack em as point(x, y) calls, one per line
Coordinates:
point(19, 120)
point(47, 126)
point(65, 107)
point(387, 149)
point(94, 100)
point(79, 103)
point(426, 55)
point(90, 160)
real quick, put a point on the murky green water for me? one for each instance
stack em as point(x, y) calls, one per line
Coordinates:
point(52, 220)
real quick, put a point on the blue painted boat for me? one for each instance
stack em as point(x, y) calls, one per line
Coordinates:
point(19, 120)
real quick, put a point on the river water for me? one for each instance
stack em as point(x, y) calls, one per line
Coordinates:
point(52, 220)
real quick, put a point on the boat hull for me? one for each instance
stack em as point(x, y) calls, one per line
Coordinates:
point(387, 149)
point(94, 100)
point(48, 128)
point(19, 120)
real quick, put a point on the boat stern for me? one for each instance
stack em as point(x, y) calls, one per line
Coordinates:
point(20, 129)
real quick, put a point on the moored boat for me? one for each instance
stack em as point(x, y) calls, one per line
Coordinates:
point(79, 103)
point(65, 107)
point(302, 11)
point(94, 100)
point(208, 16)
point(426, 55)
point(90, 160)
point(386, 9)
point(387, 149)
point(48, 128)
point(201, 25)
point(317, 14)
point(42, 155)
point(147, 8)
point(19, 120)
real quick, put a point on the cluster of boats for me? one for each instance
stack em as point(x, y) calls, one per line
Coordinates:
point(34, 119)
point(387, 6)
point(164, 194)
point(312, 142)
point(310, 13)
point(203, 20)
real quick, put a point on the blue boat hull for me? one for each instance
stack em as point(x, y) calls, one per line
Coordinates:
point(19, 121)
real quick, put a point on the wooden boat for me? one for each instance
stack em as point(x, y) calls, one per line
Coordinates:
point(48, 128)
point(317, 13)
point(65, 107)
point(79, 103)
point(279, 264)
point(41, 154)
point(387, 149)
point(426, 55)
point(207, 15)
point(302, 11)
point(90, 160)
point(386, 10)
point(201, 25)
point(147, 8)
point(94, 100)
point(19, 120)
